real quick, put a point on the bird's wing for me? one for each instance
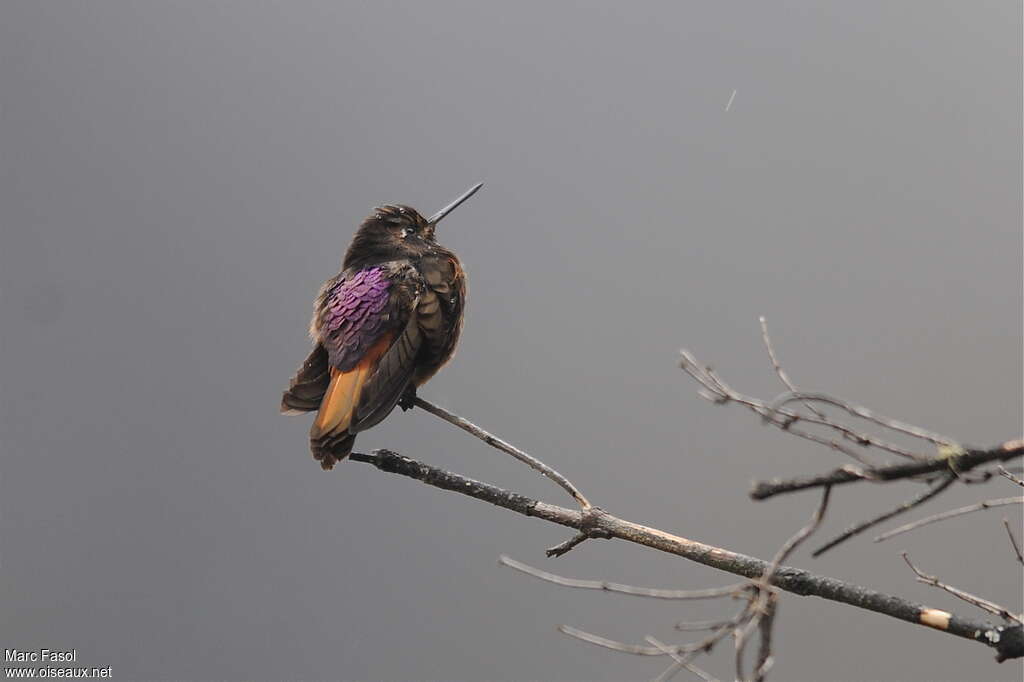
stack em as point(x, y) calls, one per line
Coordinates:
point(307, 387)
point(363, 322)
point(385, 386)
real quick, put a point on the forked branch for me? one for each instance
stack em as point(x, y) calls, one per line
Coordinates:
point(507, 448)
point(790, 412)
point(789, 579)
point(958, 463)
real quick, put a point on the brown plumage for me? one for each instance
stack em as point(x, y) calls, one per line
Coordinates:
point(381, 327)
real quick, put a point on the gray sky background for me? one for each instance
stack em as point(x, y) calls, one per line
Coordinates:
point(177, 179)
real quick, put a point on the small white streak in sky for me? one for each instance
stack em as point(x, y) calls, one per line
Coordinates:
point(731, 98)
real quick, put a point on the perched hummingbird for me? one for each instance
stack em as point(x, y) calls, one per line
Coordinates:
point(381, 327)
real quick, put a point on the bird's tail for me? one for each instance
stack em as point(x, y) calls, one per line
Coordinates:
point(329, 438)
point(331, 449)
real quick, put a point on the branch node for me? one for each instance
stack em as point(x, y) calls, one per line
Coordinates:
point(590, 528)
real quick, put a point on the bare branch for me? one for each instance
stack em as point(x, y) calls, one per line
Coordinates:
point(1003, 472)
point(783, 377)
point(707, 644)
point(1013, 541)
point(717, 391)
point(656, 593)
point(983, 604)
point(958, 463)
point(616, 645)
point(699, 625)
point(789, 579)
point(987, 504)
point(763, 606)
point(680, 662)
point(790, 545)
point(588, 530)
point(936, 488)
point(677, 664)
point(860, 438)
point(507, 448)
point(766, 578)
point(765, 660)
point(563, 547)
point(681, 654)
point(952, 462)
point(862, 413)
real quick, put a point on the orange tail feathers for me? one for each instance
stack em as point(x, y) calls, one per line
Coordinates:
point(329, 438)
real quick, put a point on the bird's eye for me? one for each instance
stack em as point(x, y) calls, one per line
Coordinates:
point(406, 231)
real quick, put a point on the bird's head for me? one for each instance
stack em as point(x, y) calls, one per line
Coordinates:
point(396, 231)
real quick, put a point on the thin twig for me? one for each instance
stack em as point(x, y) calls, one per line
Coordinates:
point(680, 662)
point(765, 660)
point(588, 530)
point(563, 547)
point(1013, 541)
point(862, 413)
point(936, 488)
point(777, 366)
point(615, 645)
point(789, 579)
point(708, 643)
point(705, 645)
point(507, 448)
point(1003, 472)
point(849, 473)
point(719, 392)
point(983, 604)
point(790, 545)
point(739, 635)
point(699, 625)
point(987, 504)
point(763, 605)
point(656, 593)
point(634, 649)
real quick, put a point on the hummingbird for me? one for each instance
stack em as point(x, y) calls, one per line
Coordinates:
point(381, 327)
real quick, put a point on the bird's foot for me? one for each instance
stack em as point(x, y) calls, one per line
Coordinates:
point(408, 399)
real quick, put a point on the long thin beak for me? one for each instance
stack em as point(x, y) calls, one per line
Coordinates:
point(436, 218)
